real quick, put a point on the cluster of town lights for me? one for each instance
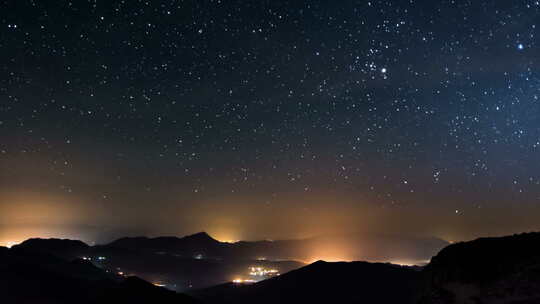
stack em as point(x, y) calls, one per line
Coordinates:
point(262, 272)
point(258, 272)
point(99, 258)
point(243, 281)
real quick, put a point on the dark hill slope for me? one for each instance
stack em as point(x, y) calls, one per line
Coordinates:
point(322, 282)
point(33, 277)
point(183, 263)
point(486, 270)
point(189, 245)
point(64, 248)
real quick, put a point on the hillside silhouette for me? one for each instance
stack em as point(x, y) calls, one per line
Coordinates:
point(325, 282)
point(486, 270)
point(32, 277)
point(199, 261)
point(189, 245)
point(191, 262)
point(483, 271)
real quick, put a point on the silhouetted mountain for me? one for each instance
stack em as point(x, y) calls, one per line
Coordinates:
point(198, 260)
point(188, 246)
point(410, 250)
point(194, 261)
point(349, 247)
point(486, 270)
point(323, 282)
point(200, 237)
point(36, 277)
point(201, 245)
point(135, 290)
point(58, 247)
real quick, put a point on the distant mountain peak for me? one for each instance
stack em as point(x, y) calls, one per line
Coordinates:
point(201, 236)
point(52, 242)
point(58, 247)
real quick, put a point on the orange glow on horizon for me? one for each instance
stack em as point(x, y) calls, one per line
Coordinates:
point(410, 263)
point(9, 243)
point(15, 235)
point(229, 241)
point(326, 259)
point(224, 235)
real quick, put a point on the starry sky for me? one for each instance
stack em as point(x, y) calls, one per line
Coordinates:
point(269, 119)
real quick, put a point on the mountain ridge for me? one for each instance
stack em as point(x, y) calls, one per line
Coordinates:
point(483, 271)
point(324, 282)
point(199, 236)
point(30, 276)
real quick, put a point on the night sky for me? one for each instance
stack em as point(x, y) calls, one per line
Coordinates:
point(269, 119)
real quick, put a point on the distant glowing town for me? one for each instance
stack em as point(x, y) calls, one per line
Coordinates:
point(256, 274)
point(252, 275)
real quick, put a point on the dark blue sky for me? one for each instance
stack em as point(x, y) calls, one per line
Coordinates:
point(169, 116)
